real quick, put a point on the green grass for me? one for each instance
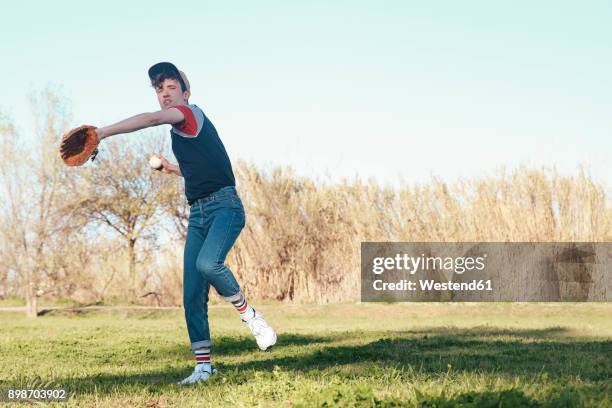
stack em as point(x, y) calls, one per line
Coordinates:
point(430, 355)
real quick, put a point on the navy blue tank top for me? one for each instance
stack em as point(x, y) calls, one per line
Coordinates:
point(200, 153)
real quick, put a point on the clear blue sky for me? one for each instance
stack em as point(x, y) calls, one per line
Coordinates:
point(386, 89)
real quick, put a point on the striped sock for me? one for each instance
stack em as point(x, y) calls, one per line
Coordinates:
point(245, 310)
point(202, 355)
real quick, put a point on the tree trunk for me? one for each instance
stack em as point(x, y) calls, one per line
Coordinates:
point(132, 266)
point(31, 301)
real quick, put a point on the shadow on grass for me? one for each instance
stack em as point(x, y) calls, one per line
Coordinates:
point(566, 397)
point(230, 346)
point(434, 352)
point(235, 346)
point(487, 350)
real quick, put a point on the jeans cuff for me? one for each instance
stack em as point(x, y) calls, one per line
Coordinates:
point(200, 344)
point(235, 297)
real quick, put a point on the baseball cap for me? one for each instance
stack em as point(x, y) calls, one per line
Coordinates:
point(169, 68)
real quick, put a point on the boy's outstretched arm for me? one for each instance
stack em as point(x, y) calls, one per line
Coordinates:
point(141, 121)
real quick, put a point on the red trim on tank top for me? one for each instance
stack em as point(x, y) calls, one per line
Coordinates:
point(189, 125)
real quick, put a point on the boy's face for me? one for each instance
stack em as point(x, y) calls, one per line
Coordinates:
point(169, 93)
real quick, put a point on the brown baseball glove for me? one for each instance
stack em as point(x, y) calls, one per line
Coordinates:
point(79, 145)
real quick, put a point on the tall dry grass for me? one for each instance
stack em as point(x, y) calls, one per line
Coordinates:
point(302, 240)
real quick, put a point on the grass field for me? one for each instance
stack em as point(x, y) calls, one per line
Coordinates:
point(430, 355)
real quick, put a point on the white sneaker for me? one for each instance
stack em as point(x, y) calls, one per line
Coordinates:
point(200, 373)
point(264, 334)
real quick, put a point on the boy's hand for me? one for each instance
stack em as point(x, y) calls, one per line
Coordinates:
point(166, 167)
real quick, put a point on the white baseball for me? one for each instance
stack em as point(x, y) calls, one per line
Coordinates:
point(155, 162)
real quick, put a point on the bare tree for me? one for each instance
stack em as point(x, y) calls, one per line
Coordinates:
point(34, 210)
point(12, 192)
point(125, 194)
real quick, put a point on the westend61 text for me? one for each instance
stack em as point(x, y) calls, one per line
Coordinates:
point(474, 285)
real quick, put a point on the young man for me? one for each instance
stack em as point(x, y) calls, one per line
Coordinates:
point(216, 216)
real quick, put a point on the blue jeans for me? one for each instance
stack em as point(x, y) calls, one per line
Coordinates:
point(214, 224)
